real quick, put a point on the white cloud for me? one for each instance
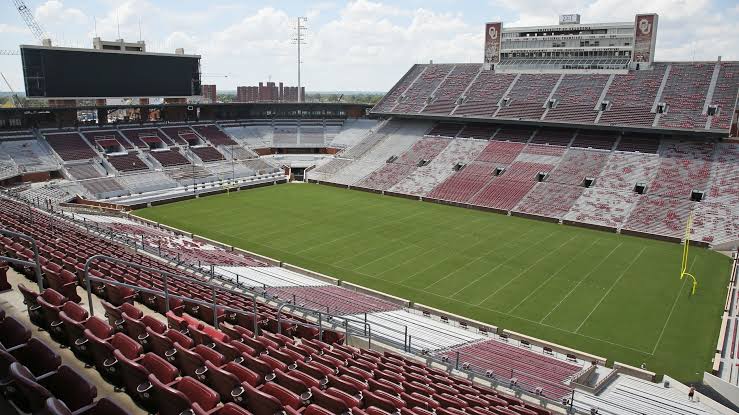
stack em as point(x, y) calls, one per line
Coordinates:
point(53, 12)
point(6, 28)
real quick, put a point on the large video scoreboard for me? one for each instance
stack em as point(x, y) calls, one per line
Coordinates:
point(51, 72)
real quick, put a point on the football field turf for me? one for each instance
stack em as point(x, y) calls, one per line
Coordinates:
point(612, 295)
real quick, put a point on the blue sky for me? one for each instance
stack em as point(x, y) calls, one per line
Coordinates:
point(352, 45)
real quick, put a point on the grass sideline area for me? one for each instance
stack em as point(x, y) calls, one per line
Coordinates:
point(608, 294)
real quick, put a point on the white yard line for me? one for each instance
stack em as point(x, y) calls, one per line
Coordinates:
point(674, 304)
point(611, 288)
point(554, 275)
point(541, 258)
point(482, 257)
point(581, 281)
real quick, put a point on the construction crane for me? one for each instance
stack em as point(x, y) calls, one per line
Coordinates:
point(16, 100)
point(31, 22)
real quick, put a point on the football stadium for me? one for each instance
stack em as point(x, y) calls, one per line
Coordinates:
point(551, 230)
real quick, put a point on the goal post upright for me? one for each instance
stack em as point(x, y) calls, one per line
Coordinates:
point(686, 251)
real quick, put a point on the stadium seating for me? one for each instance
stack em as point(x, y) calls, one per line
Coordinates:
point(207, 154)
point(465, 183)
point(333, 299)
point(312, 136)
point(85, 171)
point(28, 155)
point(445, 130)
point(127, 163)
point(147, 138)
point(424, 179)
point(446, 96)
point(631, 97)
point(514, 133)
point(602, 207)
point(624, 170)
point(146, 182)
point(684, 166)
point(602, 140)
point(724, 94)
point(103, 188)
point(107, 139)
point(479, 131)
point(504, 193)
point(415, 98)
point(549, 199)
point(483, 95)
point(214, 135)
point(527, 366)
point(169, 158)
point(388, 102)
point(724, 182)
point(577, 165)
point(685, 93)
point(500, 152)
point(576, 98)
point(387, 176)
point(285, 136)
point(638, 143)
point(182, 135)
point(70, 146)
point(553, 136)
point(663, 216)
point(527, 98)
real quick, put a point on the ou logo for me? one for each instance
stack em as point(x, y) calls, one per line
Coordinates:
point(493, 32)
point(644, 26)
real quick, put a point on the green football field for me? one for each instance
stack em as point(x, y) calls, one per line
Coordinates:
point(603, 293)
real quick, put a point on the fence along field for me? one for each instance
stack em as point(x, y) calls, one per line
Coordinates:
point(612, 295)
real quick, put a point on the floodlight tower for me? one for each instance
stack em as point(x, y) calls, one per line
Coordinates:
point(299, 39)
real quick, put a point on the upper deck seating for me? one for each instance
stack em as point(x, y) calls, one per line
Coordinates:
point(685, 93)
point(105, 138)
point(390, 100)
point(446, 96)
point(528, 96)
point(169, 158)
point(724, 94)
point(127, 163)
point(484, 94)
point(576, 97)
point(519, 134)
point(147, 137)
point(415, 97)
point(631, 97)
point(603, 140)
point(207, 154)
point(553, 136)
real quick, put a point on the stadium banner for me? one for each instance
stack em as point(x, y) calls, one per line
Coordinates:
point(645, 38)
point(493, 37)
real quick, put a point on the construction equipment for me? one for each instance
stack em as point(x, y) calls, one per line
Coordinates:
point(31, 22)
point(16, 99)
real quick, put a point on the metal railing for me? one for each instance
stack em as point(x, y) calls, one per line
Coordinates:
point(35, 264)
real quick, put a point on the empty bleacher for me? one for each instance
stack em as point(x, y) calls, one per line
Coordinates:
point(446, 96)
point(508, 361)
point(207, 154)
point(127, 163)
point(70, 146)
point(601, 140)
point(147, 138)
point(181, 135)
point(624, 170)
point(103, 188)
point(723, 187)
point(576, 97)
point(724, 94)
point(285, 136)
point(85, 171)
point(214, 135)
point(465, 183)
point(685, 93)
point(169, 158)
point(528, 96)
point(107, 139)
point(423, 180)
point(388, 102)
point(577, 165)
point(664, 216)
point(518, 134)
point(483, 95)
point(28, 154)
point(551, 200)
point(414, 99)
point(146, 182)
point(638, 143)
point(684, 166)
point(479, 131)
point(553, 136)
point(631, 97)
point(602, 207)
point(312, 136)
